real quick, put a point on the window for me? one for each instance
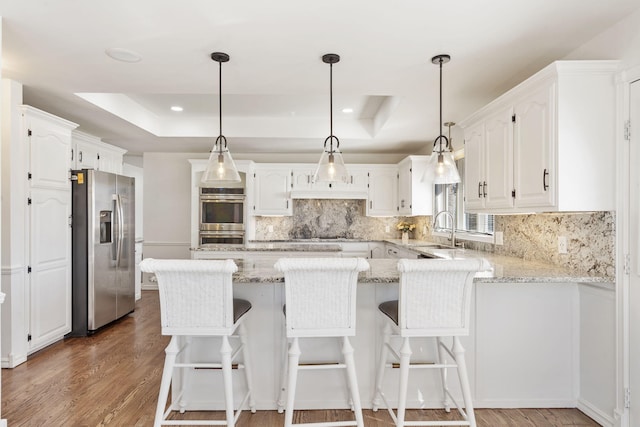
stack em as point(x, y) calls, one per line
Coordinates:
point(450, 198)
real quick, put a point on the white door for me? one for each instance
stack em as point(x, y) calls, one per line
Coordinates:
point(634, 246)
point(383, 191)
point(499, 160)
point(272, 196)
point(474, 177)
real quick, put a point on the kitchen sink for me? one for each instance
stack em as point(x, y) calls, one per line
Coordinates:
point(433, 246)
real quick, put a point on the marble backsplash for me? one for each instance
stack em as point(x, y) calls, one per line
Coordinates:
point(330, 219)
point(590, 235)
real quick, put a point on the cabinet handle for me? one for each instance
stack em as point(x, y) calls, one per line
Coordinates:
point(545, 175)
point(402, 203)
point(484, 189)
point(80, 156)
point(287, 204)
point(352, 179)
point(72, 154)
point(308, 179)
point(370, 204)
point(479, 190)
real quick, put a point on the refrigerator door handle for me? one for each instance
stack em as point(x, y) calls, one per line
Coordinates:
point(119, 230)
point(114, 230)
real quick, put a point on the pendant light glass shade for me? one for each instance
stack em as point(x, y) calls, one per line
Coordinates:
point(221, 169)
point(441, 168)
point(331, 166)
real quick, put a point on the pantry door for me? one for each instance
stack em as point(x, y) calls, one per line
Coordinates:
point(634, 247)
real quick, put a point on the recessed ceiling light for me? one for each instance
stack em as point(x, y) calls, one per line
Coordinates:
point(347, 110)
point(176, 108)
point(123, 55)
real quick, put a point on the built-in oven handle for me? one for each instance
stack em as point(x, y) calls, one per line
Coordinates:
point(235, 198)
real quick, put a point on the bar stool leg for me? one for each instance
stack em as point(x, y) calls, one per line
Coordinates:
point(169, 361)
point(458, 351)
point(242, 331)
point(283, 376)
point(384, 351)
point(225, 353)
point(347, 351)
point(294, 357)
point(346, 374)
point(443, 375)
point(405, 359)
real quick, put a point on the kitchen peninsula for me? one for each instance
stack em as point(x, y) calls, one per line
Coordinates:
point(530, 321)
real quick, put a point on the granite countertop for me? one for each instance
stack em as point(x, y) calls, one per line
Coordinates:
point(501, 269)
point(275, 246)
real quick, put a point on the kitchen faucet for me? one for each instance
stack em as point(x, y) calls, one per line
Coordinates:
point(453, 226)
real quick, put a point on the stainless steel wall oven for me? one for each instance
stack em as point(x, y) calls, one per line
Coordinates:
point(222, 216)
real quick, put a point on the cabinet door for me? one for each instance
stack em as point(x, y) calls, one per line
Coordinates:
point(376, 250)
point(534, 170)
point(272, 195)
point(302, 178)
point(110, 162)
point(50, 262)
point(474, 179)
point(49, 156)
point(383, 191)
point(498, 160)
point(404, 188)
point(87, 156)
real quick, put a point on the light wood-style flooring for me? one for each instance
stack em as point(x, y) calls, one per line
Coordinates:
point(112, 379)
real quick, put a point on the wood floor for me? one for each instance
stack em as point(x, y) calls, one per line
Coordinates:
point(112, 379)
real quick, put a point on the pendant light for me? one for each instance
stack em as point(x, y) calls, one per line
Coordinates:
point(331, 167)
point(221, 168)
point(441, 168)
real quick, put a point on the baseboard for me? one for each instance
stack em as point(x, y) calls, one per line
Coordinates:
point(598, 415)
point(524, 403)
point(11, 361)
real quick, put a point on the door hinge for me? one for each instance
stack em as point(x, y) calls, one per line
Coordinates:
point(513, 118)
point(28, 269)
point(627, 130)
point(627, 264)
point(28, 337)
point(29, 132)
point(513, 193)
point(28, 200)
point(627, 398)
point(28, 175)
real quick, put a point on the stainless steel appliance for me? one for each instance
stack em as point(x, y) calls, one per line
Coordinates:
point(103, 234)
point(222, 216)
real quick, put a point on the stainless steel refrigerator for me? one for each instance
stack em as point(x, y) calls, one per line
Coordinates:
point(103, 234)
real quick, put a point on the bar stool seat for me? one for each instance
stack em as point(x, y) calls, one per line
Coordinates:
point(434, 301)
point(320, 296)
point(196, 300)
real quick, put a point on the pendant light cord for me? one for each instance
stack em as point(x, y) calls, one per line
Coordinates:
point(331, 107)
point(441, 104)
point(220, 104)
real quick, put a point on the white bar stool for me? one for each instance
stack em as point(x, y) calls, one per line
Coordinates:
point(320, 298)
point(434, 301)
point(196, 300)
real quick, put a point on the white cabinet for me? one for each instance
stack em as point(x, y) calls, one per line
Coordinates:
point(546, 145)
point(355, 249)
point(47, 226)
point(376, 250)
point(397, 252)
point(89, 152)
point(414, 196)
point(272, 194)
point(303, 186)
point(383, 190)
point(138, 271)
point(488, 165)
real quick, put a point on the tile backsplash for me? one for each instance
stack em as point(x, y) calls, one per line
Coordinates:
point(590, 235)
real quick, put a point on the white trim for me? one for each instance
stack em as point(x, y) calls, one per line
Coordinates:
point(467, 236)
point(150, 243)
point(604, 286)
point(12, 269)
point(600, 417)
point(12, 360)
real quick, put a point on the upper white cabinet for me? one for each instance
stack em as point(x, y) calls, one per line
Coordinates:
point(383, 190)
point(303, 186)
point(89, 152)
point(414, 196)
point(272, 194)
point(546, 145)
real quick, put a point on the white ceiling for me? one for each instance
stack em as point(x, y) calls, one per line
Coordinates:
point(276, 87)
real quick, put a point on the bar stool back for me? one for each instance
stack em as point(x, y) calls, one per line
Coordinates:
point(320, 297)
point(196, 300)
point(434, 301)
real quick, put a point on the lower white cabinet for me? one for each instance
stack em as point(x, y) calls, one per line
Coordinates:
point(138, 272)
